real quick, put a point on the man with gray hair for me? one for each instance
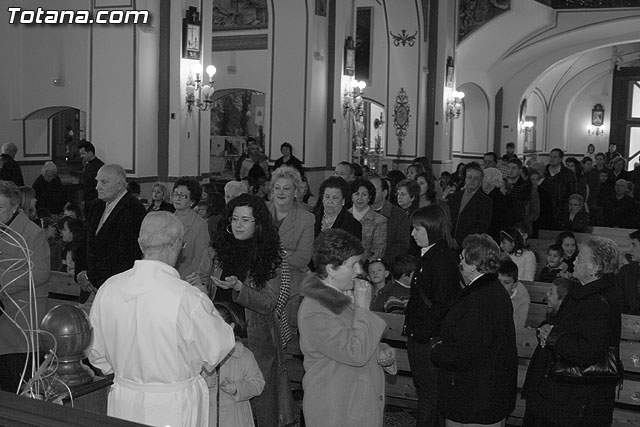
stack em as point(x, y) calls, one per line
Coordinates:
point(49, 190)
point(156, 332)
point(10, 169)
point(113, 224)
point(233, 189)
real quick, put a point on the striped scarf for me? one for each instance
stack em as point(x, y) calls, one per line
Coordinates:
point(283, 297)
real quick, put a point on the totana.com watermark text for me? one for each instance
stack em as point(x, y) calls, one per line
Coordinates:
point(17, 15)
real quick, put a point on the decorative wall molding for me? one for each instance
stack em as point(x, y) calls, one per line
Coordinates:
point(404, 38)
point(401, 114)
point(246, 42)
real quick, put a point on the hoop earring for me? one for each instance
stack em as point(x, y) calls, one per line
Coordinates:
point(229, 229)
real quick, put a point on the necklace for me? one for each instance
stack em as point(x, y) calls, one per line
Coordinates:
point(328, 220)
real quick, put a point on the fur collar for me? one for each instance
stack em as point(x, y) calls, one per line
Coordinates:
point(327, 296)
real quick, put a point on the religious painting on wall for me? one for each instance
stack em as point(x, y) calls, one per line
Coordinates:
point(473, 14)
point(321, 7)
point(191, 34)
point(239, 15)
point(364, 17)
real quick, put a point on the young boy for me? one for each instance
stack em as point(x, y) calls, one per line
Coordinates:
point(554, 266)
point(508, 276)
point(394, 296)
point(557, 292)
point(378, 273)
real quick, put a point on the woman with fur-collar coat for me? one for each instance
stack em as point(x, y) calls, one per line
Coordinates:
point(344, 381)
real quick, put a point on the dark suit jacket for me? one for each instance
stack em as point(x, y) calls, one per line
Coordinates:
point(398, 231)
point(629, 285)
point(11, 171)
point(115, 248)
point(474, 218)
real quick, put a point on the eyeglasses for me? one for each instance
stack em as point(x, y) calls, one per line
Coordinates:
point(244, 220)
point(182, 196)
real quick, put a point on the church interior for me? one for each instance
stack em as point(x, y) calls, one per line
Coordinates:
point(530, 73)
point(375, 82)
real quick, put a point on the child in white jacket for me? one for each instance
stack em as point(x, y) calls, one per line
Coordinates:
point(238, 378)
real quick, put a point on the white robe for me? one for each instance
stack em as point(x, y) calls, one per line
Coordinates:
point(156, 332)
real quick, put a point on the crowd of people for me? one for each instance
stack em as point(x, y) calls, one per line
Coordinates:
point(194, 295)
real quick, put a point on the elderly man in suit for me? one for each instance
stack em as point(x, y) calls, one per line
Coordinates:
point(471, 209)
point(113, 225)
point(398, 224)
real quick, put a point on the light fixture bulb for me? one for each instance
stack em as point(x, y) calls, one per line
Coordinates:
point(362, 84)
point(211, 71)
point(458, 95)
point(353, 84)
point(197, 69)
point(190, 89)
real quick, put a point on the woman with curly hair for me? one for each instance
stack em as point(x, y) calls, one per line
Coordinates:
point(246, 267)
point(408, 195)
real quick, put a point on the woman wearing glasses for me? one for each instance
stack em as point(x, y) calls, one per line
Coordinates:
point(245, 265)
point(186, 195)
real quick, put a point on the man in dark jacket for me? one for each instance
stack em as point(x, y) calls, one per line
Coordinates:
point(398, 225)
point(518, 192)
point(619, 208)
point(629, 278)
point(113, 225)
point(91, 165)
point(10, 169)
point(471, 209)
point(561, 181)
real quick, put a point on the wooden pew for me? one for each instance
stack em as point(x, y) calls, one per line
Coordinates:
point(62, 288)
point(400, 390)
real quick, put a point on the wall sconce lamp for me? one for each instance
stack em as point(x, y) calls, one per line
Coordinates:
point(204, 92)
point(454, 105)
point(352, 101)
point(597, 121)
point(526, 126)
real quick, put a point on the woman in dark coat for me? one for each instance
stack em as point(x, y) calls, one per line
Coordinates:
point(476, 355)
point(587, 324)
point(332, 209)
point(434, 287)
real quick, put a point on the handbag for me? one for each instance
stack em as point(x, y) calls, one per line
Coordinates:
point(608, 370)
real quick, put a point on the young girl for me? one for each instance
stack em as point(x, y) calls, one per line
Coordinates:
point(55, 245)
point(512, 243)
point(238, 378)
point(567, 240)
point(74, 258)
